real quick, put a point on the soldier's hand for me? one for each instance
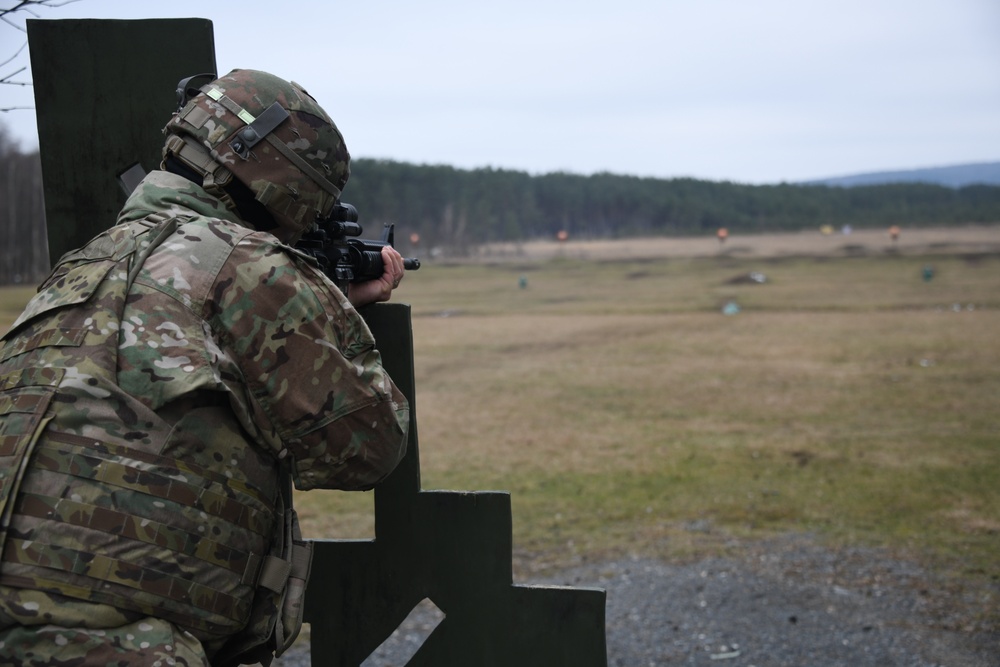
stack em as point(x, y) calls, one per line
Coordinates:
point(379, 289)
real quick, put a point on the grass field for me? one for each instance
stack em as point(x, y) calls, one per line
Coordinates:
point(605, 388)
point(849, 397)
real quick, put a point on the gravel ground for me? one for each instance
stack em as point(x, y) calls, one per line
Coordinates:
point(783, 602)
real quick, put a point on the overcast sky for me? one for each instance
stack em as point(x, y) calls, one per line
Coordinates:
point(754, 91)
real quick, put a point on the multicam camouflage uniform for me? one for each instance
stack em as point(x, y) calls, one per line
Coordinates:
point(147, 407)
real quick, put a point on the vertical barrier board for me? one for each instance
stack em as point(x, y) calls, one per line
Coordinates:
point(103, 91)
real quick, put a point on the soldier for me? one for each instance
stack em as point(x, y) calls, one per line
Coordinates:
point(166, 383)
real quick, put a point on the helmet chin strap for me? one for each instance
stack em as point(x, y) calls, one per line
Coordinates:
point(220, 182)
point(215, 177)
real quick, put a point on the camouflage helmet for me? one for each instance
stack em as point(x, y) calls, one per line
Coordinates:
point(271, 136)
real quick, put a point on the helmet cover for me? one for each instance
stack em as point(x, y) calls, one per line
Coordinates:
point(273, 137)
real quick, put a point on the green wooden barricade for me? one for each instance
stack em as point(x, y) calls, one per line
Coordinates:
point(451, 547)
point(103, 90)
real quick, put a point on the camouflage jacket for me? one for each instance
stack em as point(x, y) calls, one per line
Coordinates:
point(149, 394)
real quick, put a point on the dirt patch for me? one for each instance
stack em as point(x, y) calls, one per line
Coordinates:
point(971, 240)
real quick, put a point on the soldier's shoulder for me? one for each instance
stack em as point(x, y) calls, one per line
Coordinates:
point(208, 242)
point(211, 230)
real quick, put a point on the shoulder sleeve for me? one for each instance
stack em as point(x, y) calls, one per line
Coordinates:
point(314, 376)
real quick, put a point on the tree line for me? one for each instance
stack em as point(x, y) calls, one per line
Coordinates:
point(459, 209)
point(456, 210)
point(24, 250)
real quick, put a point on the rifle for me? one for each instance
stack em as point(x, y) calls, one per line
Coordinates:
point(342, 256)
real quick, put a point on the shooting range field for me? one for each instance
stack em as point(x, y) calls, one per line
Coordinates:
point(849, 396)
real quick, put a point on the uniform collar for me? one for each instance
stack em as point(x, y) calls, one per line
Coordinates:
point(164, 192)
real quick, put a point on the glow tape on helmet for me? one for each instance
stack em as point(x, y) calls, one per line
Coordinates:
point(227, 102)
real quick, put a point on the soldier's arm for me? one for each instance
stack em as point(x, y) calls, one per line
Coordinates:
point(315, 380)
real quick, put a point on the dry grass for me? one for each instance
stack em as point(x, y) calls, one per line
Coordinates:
point(849, 398)
point(914, 242)
point(625, 412)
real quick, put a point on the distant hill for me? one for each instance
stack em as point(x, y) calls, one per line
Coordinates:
point(957, 176)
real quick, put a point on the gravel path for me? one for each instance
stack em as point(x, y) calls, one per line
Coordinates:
point(783, 602)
